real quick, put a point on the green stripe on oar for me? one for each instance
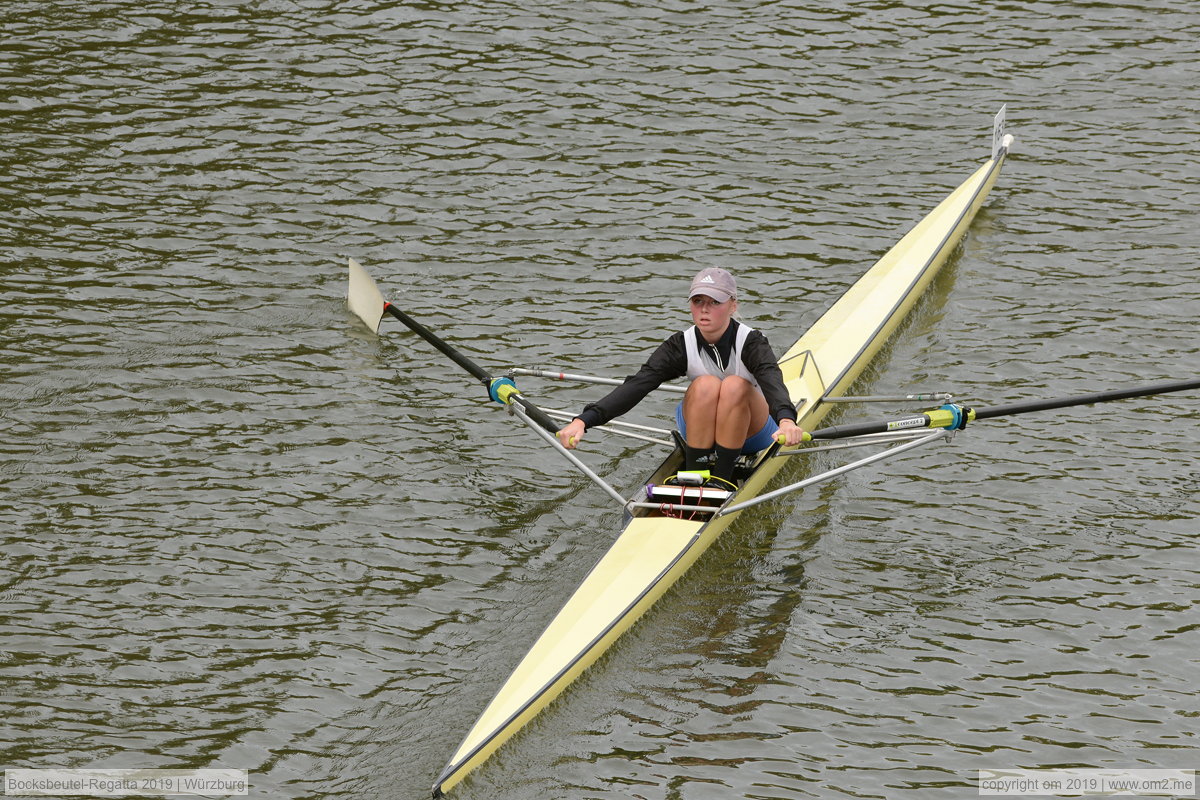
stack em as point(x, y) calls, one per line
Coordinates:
point(367, 302)
point(957, 416)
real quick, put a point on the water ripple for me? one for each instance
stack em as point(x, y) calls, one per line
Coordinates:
point(239, 531)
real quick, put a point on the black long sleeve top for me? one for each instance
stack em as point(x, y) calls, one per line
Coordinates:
point(669, 362)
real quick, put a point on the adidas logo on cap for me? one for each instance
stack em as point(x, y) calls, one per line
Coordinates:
point(715, 282)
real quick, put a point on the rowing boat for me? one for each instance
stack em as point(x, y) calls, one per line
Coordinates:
point(655, 548)
point(664, 535)
point(663, 538)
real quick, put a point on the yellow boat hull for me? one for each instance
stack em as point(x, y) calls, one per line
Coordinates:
point(654, 551)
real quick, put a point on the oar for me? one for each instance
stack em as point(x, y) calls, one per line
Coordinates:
point(951, 417)
point(956, 417)
point(367, 302)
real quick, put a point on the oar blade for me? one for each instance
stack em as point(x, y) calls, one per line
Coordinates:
point(364, 296)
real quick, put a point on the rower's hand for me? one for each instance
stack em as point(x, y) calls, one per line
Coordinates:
point(572, 433)
point(789, 434)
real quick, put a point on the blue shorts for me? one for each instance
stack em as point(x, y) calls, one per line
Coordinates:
point(759, 441)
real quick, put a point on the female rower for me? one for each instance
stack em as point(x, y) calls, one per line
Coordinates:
point(736, 402)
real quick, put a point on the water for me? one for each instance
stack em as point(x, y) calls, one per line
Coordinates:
point(239, 531)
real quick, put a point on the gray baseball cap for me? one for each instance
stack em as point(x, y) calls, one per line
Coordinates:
point(714, 282)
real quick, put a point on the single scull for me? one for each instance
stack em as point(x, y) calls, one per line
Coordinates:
point(666, 532)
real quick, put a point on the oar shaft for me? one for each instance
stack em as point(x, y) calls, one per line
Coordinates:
point(1165, 387)
point(946, 415)
point(476, 371)
point(535, 413)
point(435, 340)
point(864, 428)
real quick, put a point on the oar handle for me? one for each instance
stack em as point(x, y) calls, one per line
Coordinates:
point(503, 395)
point(535, 413)
point(865, 428)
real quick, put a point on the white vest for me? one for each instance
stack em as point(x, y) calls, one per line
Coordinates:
point(701, 362)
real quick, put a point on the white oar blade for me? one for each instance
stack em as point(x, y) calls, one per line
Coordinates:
point(364, 296)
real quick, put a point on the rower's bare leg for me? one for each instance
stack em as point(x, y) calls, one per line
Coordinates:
point(733, 415)
point(700, 419)
point(721, 414)
point(741, 413)
point(700, 411)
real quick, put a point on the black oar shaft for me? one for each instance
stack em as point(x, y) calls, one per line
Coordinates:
point(537, 415)
point(1087, 399)
point(864, 428)
point(476, 371)
point(435, 340)
point(942, 418)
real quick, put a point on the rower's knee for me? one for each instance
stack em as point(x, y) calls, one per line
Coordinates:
point(705, 390)
point(735, 391)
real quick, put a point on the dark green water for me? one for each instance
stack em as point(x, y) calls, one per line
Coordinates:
point(237, 530)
